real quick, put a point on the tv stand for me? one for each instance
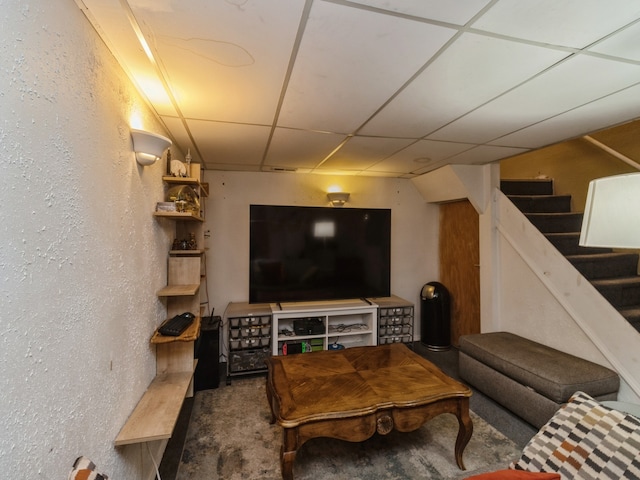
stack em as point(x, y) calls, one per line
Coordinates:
point(256, 331)
point(322, 304)
point(347, 323)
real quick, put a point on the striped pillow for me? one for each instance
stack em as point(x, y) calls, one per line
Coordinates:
point(587, 441)
point(84, 469)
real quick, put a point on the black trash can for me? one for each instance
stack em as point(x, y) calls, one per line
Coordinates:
point(207, 374)
point(435, 317)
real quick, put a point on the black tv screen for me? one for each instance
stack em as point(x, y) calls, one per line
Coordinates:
point(318, 253)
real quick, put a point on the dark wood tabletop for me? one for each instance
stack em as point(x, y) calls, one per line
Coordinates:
point(350, 394)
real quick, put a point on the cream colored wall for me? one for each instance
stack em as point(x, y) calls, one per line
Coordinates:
point(414, 224)
point(81, 256)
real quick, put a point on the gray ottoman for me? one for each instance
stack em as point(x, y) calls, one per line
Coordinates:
point(530, 379)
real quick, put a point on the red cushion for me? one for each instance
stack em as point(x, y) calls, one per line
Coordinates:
point(515, 475)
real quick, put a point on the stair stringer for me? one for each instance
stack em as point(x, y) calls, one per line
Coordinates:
point(590, 327)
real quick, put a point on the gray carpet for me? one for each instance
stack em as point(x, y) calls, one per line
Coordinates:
point(229, 437)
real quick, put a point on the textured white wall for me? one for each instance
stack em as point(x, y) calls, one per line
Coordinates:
point(81, 256)
point(414, 225)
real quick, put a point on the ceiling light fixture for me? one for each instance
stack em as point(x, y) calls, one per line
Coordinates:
point(611, 212)
point(148, 147)
point(338, 199)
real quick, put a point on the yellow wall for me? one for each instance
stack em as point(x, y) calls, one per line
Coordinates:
point(574, 163)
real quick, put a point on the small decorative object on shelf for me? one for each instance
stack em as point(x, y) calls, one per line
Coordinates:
point(185, 244)
point(166, 207)
point(187, 159)
point(178, 169)
point(185, 198)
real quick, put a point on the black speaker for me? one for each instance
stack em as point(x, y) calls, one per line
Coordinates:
point(207, 374)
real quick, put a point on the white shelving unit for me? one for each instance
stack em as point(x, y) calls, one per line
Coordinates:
point(349, 323)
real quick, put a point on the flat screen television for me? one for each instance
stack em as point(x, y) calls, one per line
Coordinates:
point(318, 253)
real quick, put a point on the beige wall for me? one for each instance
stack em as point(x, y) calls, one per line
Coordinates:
point(414, 224)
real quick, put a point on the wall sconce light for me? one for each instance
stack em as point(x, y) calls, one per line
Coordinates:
point(338, 199)
point(148, 147)
point(611, 216)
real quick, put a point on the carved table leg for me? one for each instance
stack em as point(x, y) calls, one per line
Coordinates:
point(465, 430)
point(288, 452)
point(272, 420)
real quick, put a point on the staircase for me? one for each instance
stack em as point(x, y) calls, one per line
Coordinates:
point(613, 274)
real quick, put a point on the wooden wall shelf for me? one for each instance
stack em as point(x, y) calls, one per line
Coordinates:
point(156, 414)
point(186, 253)
point(179, 216)
point(179, 290)
point(186, 181)
point(191, 334)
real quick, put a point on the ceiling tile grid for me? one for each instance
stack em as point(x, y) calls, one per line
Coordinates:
point(375, 87)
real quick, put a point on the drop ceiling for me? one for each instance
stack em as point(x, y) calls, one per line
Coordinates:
point(375, 87)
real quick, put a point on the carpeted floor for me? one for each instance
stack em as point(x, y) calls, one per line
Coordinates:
point(512, 427)
point(229, 437)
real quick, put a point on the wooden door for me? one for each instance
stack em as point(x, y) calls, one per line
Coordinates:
point(459, 266)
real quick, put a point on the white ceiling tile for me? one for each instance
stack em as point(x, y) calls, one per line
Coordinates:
point(301, 148)
point(350, 62)
point(223, 62)
point(222, 67)
point(473, 70)
point(571, 23)
point(362, 152)
point(181, 141)
point(112, 21)
point(418, 155)
point(485, 154)
point(225, 143)
point(613, 109)
point(624, 44)
point(573, 83)
point(440, 10)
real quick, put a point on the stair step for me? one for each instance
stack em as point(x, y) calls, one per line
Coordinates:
point(614, 275)
point(605, 265)
point(621, 292)
point(567, 244)
point(632, 314)
point(533, 186)
point(542, 203)
point(556, 222)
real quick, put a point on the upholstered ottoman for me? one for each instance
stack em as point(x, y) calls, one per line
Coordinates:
point(530, 379)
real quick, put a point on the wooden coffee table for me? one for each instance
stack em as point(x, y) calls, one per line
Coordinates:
point(353, 393)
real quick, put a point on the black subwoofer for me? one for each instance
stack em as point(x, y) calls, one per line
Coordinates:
point(207, 374)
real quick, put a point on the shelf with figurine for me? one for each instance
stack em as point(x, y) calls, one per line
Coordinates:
point(186, 173)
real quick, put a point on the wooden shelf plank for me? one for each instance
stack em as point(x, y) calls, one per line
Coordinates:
point(179, 216)
point(187, 181)
point(178, 290)
point(189, 335)
point(186, 253)
point(157, 411)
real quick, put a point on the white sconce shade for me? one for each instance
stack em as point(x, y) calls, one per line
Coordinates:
point(148, 147)
point(611, 213)
point(338, 199)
